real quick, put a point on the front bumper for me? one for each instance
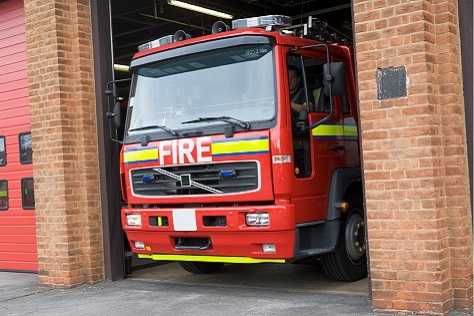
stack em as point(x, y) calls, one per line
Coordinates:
point(233, 243)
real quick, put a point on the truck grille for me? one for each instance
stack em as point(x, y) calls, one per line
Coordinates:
point(226, 177)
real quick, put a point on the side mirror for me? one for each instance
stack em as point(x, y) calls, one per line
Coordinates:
point(334, 77)
point(115, 116)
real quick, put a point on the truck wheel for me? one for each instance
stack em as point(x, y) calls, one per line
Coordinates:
point(348, 261)
point(201, 267)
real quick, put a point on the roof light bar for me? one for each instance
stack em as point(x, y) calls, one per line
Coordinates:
point(178, 36)
point(158, 42)
point(262, 21)
point(193, 7)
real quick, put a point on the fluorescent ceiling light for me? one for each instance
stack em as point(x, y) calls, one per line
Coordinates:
point(193, 7)
point(122, 68)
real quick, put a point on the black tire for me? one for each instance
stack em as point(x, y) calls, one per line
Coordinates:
point(201, 267)
point(346, 262)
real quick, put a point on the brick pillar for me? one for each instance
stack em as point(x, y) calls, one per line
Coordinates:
point(62, 97)
point(414, 152)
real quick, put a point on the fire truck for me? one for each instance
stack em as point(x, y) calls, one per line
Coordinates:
point(241, 147)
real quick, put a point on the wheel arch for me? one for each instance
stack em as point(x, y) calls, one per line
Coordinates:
point(346, 185)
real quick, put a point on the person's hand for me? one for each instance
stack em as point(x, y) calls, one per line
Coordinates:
point(298, 107)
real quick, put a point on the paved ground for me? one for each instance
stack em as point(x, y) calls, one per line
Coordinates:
point(176, 293)
point(20, 295)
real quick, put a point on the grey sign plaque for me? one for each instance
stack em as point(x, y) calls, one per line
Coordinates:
point(391, 83)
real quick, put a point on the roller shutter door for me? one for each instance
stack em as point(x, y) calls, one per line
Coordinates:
point(17, 217)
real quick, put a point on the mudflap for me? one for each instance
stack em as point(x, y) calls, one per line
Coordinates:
point(316, 239)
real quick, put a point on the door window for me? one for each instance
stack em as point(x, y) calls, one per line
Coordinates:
point(27, 193)
point(3, 151)
point(26, 152)
point(304, 87)
point(313, 71)
point(3, 194)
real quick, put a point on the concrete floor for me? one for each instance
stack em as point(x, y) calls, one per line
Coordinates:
point(286, 277)
point(20, 295)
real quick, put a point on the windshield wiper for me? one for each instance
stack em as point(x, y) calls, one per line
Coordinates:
point(164, 128)
point(228, 119)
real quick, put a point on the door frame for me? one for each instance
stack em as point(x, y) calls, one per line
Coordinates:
point(113, 240)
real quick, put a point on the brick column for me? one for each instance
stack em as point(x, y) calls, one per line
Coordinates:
point(414, 152)
point(62, 97)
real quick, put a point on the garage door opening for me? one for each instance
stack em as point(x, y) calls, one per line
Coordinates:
point(146, 20)
point(143, 21)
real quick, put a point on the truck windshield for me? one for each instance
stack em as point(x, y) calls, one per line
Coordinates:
point(237, 82)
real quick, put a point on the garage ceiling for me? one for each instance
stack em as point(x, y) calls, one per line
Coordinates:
point(139, 21)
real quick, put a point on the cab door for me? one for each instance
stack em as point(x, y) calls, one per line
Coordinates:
point(318, 148)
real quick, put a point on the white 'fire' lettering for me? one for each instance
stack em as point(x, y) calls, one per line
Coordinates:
point(174, 149)
point(201, 148)
point(186, 147)
point(164, 152)
point(182, 151)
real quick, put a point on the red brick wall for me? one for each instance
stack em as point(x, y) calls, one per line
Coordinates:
point(62, 99)
point(414, 151)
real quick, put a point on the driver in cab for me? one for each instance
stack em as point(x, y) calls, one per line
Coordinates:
point(297, 93)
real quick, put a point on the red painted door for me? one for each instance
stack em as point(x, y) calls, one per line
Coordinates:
point(17, 218)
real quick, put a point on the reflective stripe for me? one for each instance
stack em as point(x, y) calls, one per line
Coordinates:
point(160, 221)
point(3, 194)
point(159, 257)
point(334, 130)
point(350, 130)
point(135, 155)
point(240, 146)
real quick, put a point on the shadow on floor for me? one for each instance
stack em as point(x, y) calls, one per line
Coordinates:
point(286, 277)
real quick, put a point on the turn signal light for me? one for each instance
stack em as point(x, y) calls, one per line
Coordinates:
point(139, 245)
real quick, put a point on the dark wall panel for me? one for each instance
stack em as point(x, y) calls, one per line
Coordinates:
point(108, 150)
point(465, 25)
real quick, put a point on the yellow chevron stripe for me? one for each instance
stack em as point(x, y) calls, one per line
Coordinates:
point(334, 130)
point(240, 146)
point(141, 155)
point(249, 260)
point(350, 131)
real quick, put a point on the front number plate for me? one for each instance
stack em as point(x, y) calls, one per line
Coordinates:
point(184, 220)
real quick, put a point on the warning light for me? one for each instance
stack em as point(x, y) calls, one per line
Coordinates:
point(262, 21)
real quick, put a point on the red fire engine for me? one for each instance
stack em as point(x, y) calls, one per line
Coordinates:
point(242, 147)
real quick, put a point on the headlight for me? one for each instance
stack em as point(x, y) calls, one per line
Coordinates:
point(134, 220)
point(257, 219)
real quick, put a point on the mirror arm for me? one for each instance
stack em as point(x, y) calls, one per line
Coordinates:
point(113, 82)
point(113, 137)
